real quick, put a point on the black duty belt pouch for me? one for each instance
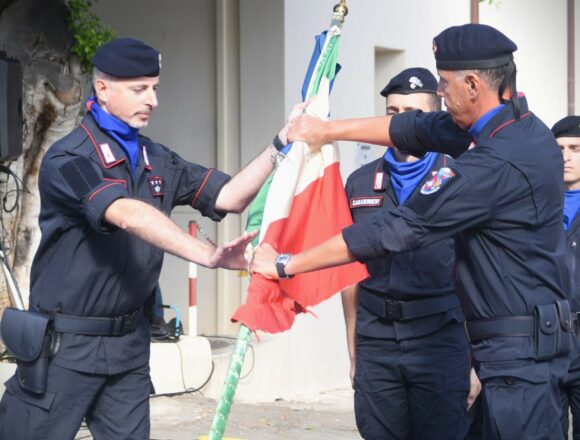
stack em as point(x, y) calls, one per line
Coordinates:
point(26, 335)
point(552, 330)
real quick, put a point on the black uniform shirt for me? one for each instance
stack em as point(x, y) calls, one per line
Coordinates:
point(418, 274)
point(573, 258)
point(504, 201)
point(86, 267)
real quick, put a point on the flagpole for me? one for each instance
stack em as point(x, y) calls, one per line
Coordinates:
point(223, 409)
point(220, 419)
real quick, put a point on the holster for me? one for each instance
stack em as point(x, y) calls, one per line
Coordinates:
point(552, 330)
point(27, 335)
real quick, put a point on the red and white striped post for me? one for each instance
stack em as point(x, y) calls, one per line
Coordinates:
point(193, 286)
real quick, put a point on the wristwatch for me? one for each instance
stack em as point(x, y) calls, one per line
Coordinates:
point(281, 262)
point(278, 144)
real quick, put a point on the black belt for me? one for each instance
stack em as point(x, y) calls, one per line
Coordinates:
point(81, 325)
point(497, 327)
point(394, 310)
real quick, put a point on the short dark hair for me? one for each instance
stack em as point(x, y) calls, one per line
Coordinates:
point(492, 77)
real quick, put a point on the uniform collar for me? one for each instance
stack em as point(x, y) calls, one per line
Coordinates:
point(574, 226)
point(571, 207)
point(503, 118)
point(125, 135)
point(476, 128)
point(109, 151)
point(381, 176)
point(145, 157)
point(107, 148)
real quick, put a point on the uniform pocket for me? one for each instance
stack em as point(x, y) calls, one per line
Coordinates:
point(23, 415)
point(519, 401)
point(42, 401)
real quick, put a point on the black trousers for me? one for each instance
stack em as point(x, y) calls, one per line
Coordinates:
point(116, 407)
point(414, 388)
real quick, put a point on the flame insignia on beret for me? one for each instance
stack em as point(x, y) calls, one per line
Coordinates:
point(415, 82)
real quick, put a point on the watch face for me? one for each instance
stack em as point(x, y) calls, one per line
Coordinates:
point(281, 261)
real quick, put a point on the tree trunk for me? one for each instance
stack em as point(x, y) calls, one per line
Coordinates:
point(35, 33)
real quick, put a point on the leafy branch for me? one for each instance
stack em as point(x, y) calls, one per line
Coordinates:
point(88, 31)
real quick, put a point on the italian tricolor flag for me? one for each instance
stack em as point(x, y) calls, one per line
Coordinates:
point(304, 206)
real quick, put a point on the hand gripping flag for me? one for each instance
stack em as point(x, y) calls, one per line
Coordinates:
point(301, 205)
point(305, 205)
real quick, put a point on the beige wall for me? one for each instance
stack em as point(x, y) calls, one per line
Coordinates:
point(538, 27)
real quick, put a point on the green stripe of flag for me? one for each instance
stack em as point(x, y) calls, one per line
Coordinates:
point(326, 67)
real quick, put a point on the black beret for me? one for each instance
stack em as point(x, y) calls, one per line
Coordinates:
point(567, 127)
point(127, 58)
point(472, 46)
point(413, 80)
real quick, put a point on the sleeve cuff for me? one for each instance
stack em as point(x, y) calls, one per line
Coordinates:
point(205, 199)
point(361, 242)
point(97, 202)
point(402, 133)
point(378, 236)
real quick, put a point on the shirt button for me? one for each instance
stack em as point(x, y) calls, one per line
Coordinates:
point(510, 380)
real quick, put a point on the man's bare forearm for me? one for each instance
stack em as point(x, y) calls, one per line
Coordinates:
point(349, 298)
point(373, 130)
point(154, 227)
point(332, 252)
point(317, 132)
point(237, 194)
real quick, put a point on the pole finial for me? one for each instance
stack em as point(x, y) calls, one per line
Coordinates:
point(340, 11)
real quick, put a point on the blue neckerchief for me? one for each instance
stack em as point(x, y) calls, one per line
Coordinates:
point(405, 176)
point(125, 135)
point(571, 207)
point(475, 129)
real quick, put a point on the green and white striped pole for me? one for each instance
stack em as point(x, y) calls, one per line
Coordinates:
point(220, 419)
point(326, 67)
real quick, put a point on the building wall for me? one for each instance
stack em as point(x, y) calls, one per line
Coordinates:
point(577, 56)
point(538, 27)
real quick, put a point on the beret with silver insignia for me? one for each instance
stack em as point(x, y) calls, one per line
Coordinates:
point(127, 58)
point(412, 80)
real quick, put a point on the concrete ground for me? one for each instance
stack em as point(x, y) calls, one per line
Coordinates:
point(189, 416)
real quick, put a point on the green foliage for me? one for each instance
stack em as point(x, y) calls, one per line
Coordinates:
point(88, 31)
